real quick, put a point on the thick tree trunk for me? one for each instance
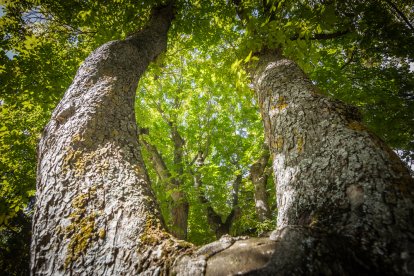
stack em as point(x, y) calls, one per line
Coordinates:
point(334, 178)
point(95, 211)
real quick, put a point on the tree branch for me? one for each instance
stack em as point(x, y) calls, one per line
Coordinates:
point(240, 10)
point(179, 204)
point(323, 36)
point(157, 161)
point(400, 14)
point(351, 58)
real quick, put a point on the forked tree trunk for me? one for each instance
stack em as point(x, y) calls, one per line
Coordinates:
point(219, 226)
point(345, 200)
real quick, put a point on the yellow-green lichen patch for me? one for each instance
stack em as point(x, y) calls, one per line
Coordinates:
point(82, 229)
point(184, 244)
point(76, 138)
point(78, 160)
point(299, 145)
point(83, 162)
point(277, 143)
point(314, 221)
point(138, 169)
point(153, 232)
point(168, 248)
point(82, 234)
point(102, 233)
point(281, 103)
point(356, 126)
point(70, 157)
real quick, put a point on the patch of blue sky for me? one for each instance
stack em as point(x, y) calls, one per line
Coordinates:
point(10, 54)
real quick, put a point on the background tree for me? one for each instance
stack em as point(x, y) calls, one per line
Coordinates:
point(190, 111)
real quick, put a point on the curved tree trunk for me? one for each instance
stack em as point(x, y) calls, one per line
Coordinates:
point(345, 200)
point(95, 211)
point(333, 176)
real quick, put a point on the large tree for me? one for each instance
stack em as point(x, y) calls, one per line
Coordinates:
point(345, 200)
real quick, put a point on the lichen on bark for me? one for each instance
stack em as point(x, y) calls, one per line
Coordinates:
point(82, 230)
point(92, 187)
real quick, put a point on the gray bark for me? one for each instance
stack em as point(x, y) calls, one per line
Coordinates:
point(333, 176)
point(95, 211)
point(345, 200)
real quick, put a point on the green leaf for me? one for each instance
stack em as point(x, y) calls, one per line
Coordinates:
point(247, 59)
point(235, 65)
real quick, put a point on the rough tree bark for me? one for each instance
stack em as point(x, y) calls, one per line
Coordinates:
point(95, 212)
point(345, 200)
point(334, 178)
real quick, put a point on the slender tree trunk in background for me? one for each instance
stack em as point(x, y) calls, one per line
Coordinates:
point(215, 221)
point(179, 206)
point(334, 179)
point(259, 176)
